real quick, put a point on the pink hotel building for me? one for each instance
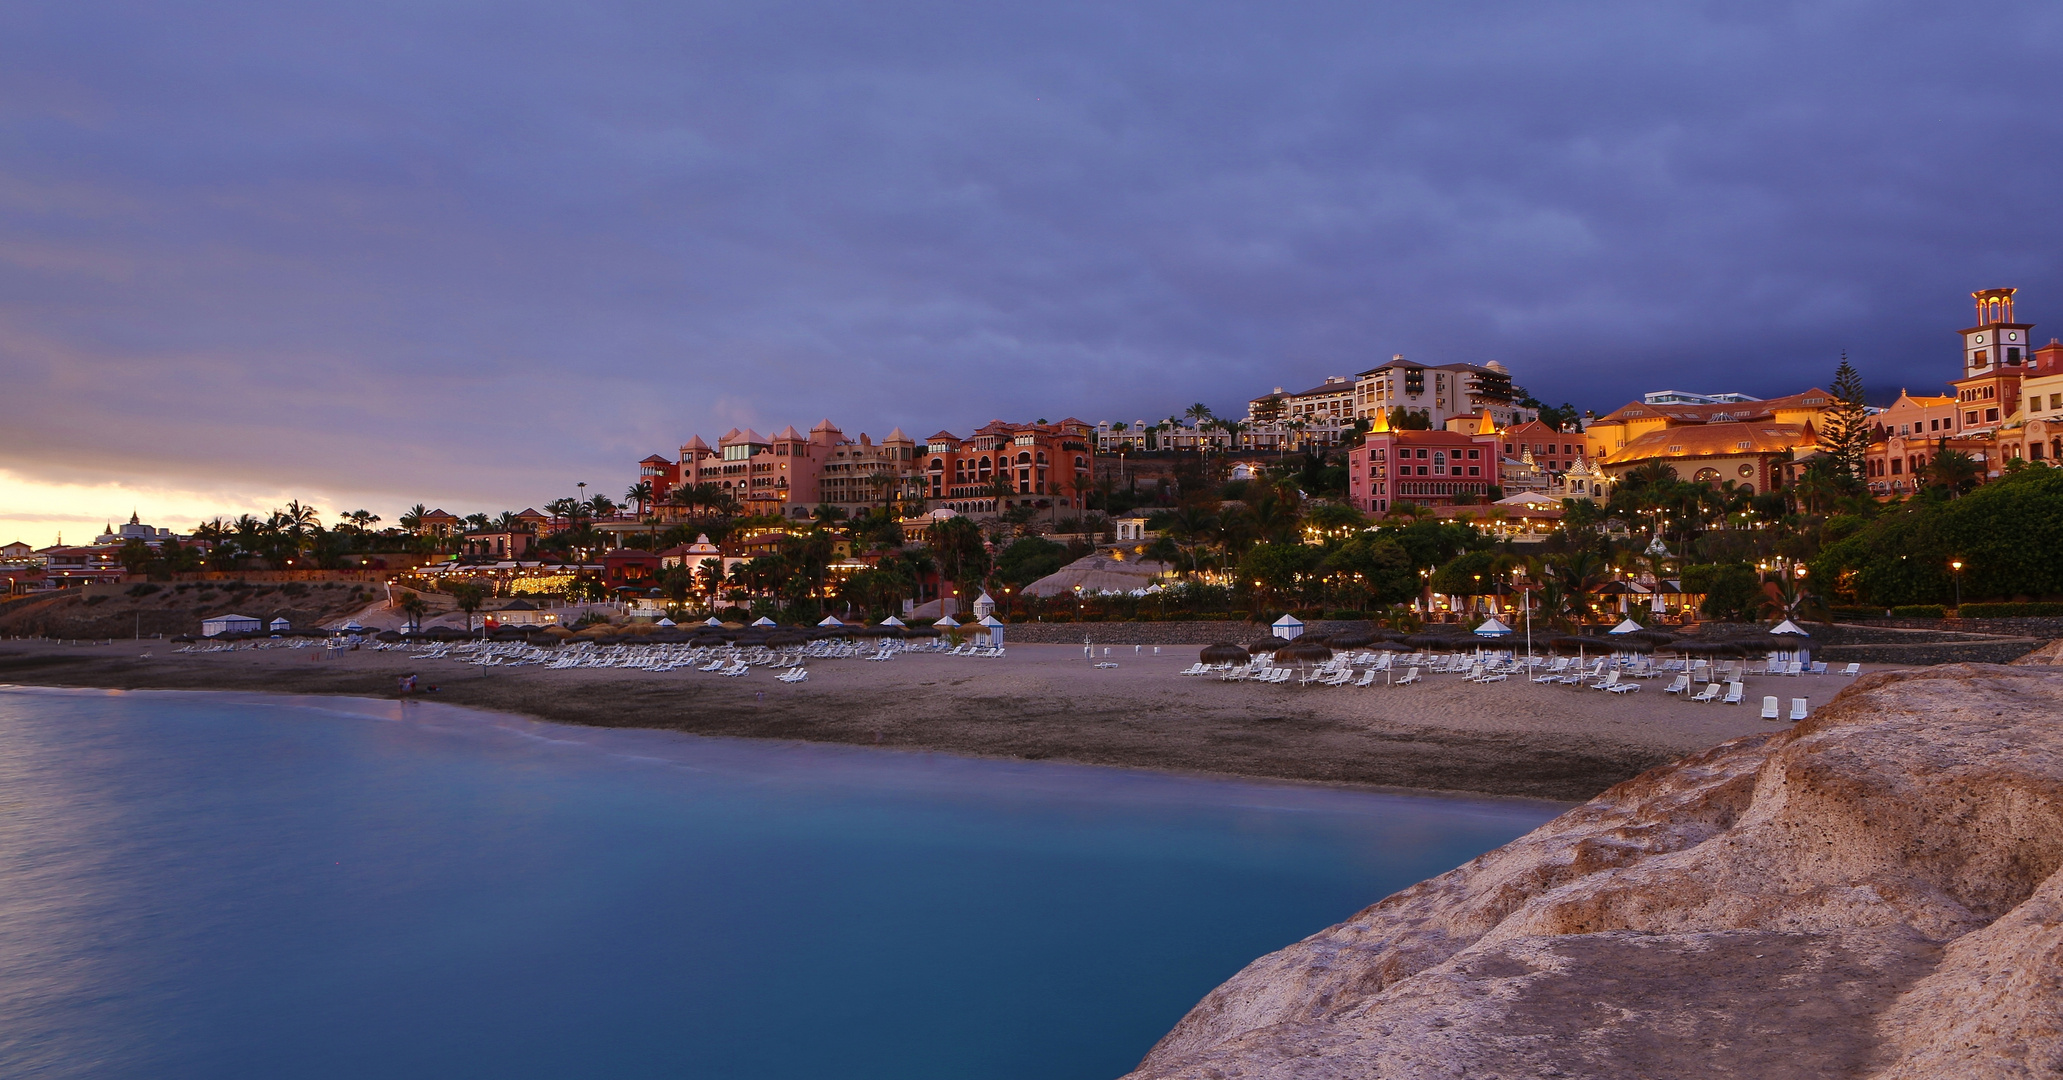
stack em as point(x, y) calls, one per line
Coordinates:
point(790, 474)
point(1428, 468)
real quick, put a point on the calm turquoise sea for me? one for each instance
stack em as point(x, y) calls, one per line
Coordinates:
point(225, 886)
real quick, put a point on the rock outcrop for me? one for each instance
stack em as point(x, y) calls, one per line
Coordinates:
point(1873, 893)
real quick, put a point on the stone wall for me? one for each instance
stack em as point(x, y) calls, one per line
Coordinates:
point(1199, 632)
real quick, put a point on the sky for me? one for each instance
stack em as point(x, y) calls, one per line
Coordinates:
point(469, 255)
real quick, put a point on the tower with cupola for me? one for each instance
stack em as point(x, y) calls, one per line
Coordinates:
point(1995, 356)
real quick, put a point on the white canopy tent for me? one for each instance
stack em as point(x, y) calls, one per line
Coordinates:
point(947, 621)
point(763, 621)
point(1492, 628)
point(1289, 628)
point(1627, 626)
point(893, 621)
point(829, 620)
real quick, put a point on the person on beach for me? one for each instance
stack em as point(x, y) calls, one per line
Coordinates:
point(408, 684)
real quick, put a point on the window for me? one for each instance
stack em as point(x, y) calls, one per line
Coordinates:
point(1895, 463)
point(1970, 418)
point(1991, 415)
point(1475, 470)
point(2056, 401)
point(1421, 452)
point(1474, 455)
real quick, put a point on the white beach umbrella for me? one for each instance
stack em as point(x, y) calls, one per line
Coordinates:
point(1627, 626)
point(763, 621)
point(1789, 627)
point(1492, 628)
point(893, 621)
point(666, 622)
point(830, 620)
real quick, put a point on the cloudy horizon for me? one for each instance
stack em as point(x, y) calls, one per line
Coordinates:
point(468, 255)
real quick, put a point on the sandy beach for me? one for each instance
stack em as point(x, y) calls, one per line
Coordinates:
point(1036, 702)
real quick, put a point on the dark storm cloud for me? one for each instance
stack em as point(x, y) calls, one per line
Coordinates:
point(493, 246)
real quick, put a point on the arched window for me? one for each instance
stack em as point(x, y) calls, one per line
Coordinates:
point(1081, 462)
point(1706, 475)
point(938, 465)
point(984, 464)
point(1023, 458)
point(1042, 457)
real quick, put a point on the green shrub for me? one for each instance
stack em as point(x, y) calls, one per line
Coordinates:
point(92, 600)
point(1841, 612)
point(1920, 611)
point(142, 590)
point(2007, 611)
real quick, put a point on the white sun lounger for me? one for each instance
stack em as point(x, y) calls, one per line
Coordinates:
point(1852, 670)
point(1709, 694)
point(1798, 708)
point(1678, 685)
point(1769, 709)
point(1734, 691)
point(1410, 677)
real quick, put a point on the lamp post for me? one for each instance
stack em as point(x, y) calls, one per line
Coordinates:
point(1957, 566)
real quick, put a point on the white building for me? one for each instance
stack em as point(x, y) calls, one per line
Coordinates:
point(229, 624)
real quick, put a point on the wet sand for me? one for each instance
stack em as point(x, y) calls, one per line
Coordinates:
point(1036, 702)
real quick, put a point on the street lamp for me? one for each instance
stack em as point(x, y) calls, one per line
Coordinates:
point(1957, 566)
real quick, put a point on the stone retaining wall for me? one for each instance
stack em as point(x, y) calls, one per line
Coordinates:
point(1199, 632)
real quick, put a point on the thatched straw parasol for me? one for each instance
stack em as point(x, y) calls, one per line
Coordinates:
point(1269, 644)
point(1223, 653)
point(1303, 650)
point(1351, 640)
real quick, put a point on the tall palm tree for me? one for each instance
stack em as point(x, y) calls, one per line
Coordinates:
point(413, 519)
point(638, 495)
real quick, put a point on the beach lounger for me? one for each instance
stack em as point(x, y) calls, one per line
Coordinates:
point(1734, 692)
point(1798, 708)
point(1368, 677)
point(1769, 709)
point(1852, 670)
point(1623, 688)
point(1678, 686)
point(1819, 667)
point(1409, 678)
point(1609, 681)
point(1709, 694)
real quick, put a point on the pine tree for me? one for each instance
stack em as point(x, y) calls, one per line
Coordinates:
point(1845, 426)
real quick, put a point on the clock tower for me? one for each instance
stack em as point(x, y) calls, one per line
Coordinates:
point(1996, 341)
point(1995, 355)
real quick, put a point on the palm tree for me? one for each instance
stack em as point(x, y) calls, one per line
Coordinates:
point(1954, 470)
point(413, 519)
point(601, 506)
point(638, 495)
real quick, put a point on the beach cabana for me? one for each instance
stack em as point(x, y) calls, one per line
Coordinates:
point(352, 627)
point(666, 622)
point(1789, 641)
point(1627, 626)
point(947, 621)
point(829, 620)
point(893, 621)
point(229, 624)
point(1492, 628)
point(994, 626)
point(1289, 628)
point(712, 621)
point(763, 621)
point(280, 625)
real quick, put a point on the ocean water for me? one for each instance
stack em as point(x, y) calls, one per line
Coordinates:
point(230, 886)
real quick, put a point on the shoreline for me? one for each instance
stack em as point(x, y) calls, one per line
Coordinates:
point(1040, 703)
point(378, 709)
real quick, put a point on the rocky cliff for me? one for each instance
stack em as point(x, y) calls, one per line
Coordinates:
point(1873, 893)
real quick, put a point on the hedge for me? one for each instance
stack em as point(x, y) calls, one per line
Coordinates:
point(1920, 611)
point(2007, 611)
